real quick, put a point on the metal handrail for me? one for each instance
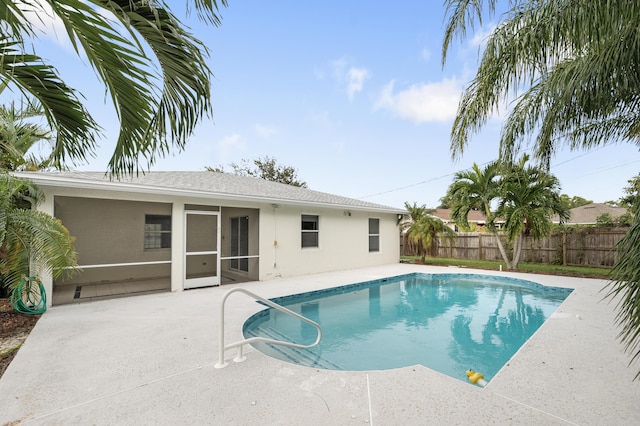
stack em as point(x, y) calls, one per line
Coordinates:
point(240, 357)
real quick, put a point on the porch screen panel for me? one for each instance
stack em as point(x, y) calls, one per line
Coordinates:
point(240, 242)
point(201, 233)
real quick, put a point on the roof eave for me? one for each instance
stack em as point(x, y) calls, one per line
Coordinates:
point(50, 180)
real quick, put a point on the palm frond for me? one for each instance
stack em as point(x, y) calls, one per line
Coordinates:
point(577, 63)
point(125, 70)
point(75, 129)
point(185, 98)
point(462, 14)
point(159, 98)
point(44, 240)
point(15, 23)
point(625, 289)
point(29, 239)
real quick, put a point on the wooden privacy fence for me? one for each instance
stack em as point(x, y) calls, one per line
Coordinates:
point(573, 246)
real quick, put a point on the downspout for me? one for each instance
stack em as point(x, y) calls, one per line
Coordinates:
point(275, 236)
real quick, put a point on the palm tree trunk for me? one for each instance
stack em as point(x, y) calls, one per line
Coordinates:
point(502, 250)
point(517, 250)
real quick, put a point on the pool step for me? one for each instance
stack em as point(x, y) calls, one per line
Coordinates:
point(310, 357)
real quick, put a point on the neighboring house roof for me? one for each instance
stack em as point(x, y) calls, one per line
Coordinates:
point(445, 215)
point(205, 184)
point(587, 214)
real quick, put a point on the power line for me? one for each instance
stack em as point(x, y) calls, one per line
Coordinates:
point(615, 166)
point(407, 186)
point(451, 174)
point(419, 183)
point(576, 157)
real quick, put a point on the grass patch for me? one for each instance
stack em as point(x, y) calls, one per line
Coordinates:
point(538, 268)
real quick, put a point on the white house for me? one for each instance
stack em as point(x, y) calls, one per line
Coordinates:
point(182, 230)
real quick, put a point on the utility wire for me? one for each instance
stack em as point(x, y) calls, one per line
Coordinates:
point(408, 186)
point(451, 174)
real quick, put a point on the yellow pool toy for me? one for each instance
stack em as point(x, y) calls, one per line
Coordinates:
point(476, 378)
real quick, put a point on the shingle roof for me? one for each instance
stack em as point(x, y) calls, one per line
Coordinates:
point(588, 214)
point(205, 184)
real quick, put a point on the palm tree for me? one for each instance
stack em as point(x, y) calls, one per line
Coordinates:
point(18, 134)
point(30, 240)
point(575, 68)
point(626, 289)
point(423, 231)
point(568, 64)
point(159, 100)
point(526, 199)
point(529, 197)
point(477, 189)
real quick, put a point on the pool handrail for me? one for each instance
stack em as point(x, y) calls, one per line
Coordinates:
point(240, 357)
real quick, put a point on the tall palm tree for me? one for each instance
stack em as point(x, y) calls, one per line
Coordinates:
point(477, 189)
point(423, 231)
point(529, 198)
point(576, 68)
point(18, 134)
point(30, 240)
point(159, 99)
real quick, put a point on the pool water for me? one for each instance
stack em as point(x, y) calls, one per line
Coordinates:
point(447, 322)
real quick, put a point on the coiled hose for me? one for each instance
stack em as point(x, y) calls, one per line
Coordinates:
point(29, 297)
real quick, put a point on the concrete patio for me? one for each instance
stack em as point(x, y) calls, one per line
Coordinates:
point(150, 360)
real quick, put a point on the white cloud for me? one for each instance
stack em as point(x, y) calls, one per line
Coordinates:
point(338, 67)
point(351, 76)
point(265, 132)
point(355, 80)
point(422, 102)
point(229, 145)
point(322, 119)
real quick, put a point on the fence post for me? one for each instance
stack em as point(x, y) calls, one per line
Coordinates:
point(480, 246)
point(564, 248)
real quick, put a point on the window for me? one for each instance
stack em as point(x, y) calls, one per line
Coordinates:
point(374, 235)
point(157, 231)
point(309, 231)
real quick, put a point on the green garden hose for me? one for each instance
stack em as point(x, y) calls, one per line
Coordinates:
point(29, 296)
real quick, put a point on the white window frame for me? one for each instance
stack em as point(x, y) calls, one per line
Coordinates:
point(374, 235)
point(315, 231)
point(153, 233)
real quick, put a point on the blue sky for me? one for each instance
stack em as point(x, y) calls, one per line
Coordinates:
point(350, 93)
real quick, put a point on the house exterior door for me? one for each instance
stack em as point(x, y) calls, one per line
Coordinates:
point(202, 242)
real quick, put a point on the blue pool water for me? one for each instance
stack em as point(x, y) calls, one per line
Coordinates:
point(447, 322)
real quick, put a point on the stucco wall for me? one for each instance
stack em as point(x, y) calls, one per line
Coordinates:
point(343, 241)
point(110, 230)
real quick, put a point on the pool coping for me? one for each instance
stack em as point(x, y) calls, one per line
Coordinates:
point(150, 360)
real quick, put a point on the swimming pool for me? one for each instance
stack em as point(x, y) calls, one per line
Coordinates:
point(447, 322)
